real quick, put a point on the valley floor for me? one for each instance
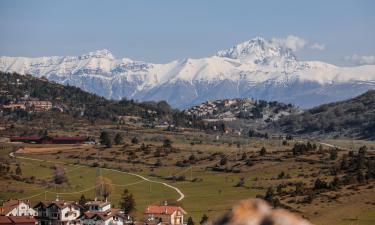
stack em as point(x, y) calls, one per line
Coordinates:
point(207, 174)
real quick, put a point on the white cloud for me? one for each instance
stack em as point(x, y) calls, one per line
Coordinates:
point(293, 42)
point(361, 59)
point(318, 46)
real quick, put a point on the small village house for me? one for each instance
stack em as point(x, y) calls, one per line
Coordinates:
point(101, 213)
point(164, 214)
point(13, 107)
point(57, 212)
point(17, 208)
point(39, 106)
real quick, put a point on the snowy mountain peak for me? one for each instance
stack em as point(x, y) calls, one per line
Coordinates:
point(258, 68)
point(102, 53)
point(258, 50)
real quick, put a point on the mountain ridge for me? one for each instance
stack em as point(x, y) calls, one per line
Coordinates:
point(353, 118)
point(256, 68)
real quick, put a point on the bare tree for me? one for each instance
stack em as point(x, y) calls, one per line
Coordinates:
point(103, 187)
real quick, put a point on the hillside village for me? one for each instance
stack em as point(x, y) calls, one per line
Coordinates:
point(241, 108)
point(60, 212)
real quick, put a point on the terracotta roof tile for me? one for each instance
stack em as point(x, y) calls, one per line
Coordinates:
point(5, 220)
point(103, 215)
point(9, 206)
point(22, 219)
point(162, 209)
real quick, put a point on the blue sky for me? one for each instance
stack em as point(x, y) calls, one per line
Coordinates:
point(160, 31)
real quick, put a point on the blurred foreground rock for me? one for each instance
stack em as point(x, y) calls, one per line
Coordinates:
point(258, 212)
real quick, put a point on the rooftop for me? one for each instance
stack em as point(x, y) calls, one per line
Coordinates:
point(9, 206)
point(22, 219)
point(163, 209)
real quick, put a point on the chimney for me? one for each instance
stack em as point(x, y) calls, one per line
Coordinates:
point(57, 198)
point(165, 203)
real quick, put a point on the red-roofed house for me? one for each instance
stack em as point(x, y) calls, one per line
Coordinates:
point(166, 214)
point(29, 139)
point(17, 220)
point(17, 208)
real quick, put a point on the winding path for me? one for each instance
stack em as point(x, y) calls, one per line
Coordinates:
point(332, 146)
point(181, 194)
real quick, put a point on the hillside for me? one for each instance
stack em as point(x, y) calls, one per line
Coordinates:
point(354, 118)
point(76, 102)
point(258, 68)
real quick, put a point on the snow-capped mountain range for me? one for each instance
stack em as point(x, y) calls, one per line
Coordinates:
point(257, 68)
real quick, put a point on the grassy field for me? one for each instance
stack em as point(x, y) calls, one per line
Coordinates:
point(206, 191)
point(82, 180)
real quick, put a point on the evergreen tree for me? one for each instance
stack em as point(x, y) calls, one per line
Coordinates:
point(18, 170)
point(167, 143)
point(105, 140)
point(269, 195)
point(244, 156)
point(223, 161)
point(333, 154)
point(119, 139)
point(158, 163)
point(360, 177)
point(263, 151)
point(82, 200)
point(361, 157)
point(127, 202)
point(135, 140)
point(190, 221)
point(204, 219)
point(320, 184)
